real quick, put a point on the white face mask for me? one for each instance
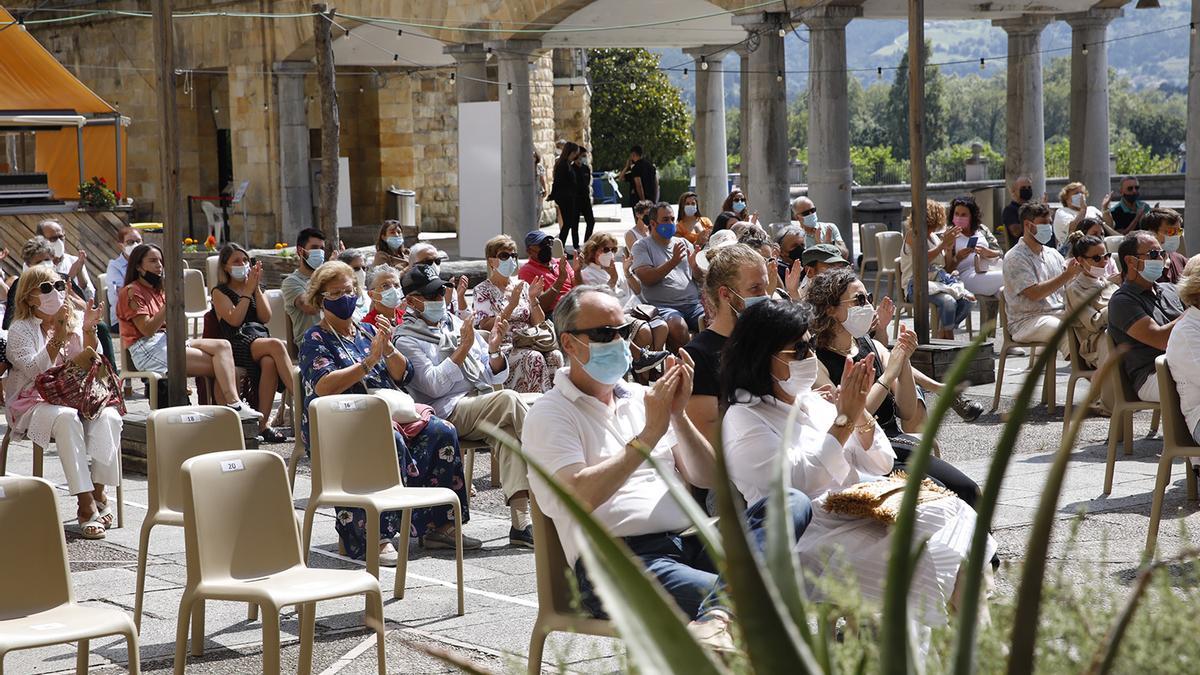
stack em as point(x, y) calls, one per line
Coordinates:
point(1077, 200)
point(128, 250)
point(1095, 272)
point(605, 259)
point(858, 321)
point(58, 248)
point(239, 272)
point(689, 210)
point(803, 375)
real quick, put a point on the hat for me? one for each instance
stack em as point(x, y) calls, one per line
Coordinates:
point(536, 238)
point(421, 279)
point(822, 253)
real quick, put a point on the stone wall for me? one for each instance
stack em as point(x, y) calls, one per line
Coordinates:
point(541, 94)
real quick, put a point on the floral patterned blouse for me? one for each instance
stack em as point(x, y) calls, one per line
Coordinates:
point(490, 300)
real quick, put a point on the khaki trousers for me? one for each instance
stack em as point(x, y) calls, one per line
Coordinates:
point(506, 410)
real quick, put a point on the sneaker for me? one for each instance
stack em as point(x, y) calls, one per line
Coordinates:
point(441, 540)
point(967, 409)
point(711, 631)
point(649, 360)
point(388, 556)
point(521, 537)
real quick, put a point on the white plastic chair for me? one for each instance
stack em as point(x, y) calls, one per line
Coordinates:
point(1111, 242)
point(216, 220)
point(870, 249)
point(195, 301)
point(887, 246)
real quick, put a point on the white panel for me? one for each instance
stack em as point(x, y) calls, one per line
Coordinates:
point(344, 217)
point(478, 176)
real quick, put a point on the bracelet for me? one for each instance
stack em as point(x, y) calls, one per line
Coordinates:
point(365, 367)
point(864, 428)
point(889, 389)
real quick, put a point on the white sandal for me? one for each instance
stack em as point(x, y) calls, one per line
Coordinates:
point(92, 528)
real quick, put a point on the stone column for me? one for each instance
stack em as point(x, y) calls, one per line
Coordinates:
point(470, 71)
point(829, 172)
point(712, 165)
point(1089, 100)
point(519, 185)
point(1025, 146)
point(743, 118)
point(765, 149)
point(1191, 186)
point(296, 203)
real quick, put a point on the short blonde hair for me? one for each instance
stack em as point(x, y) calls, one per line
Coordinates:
point(28, 285)
point(595, 243)
point(326, 273)
point(498, 243)
point(1068, 189)
point(1189, 285)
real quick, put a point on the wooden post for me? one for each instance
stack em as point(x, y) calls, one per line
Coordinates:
point(330, 124)
point(171, 204)
point(916, 144)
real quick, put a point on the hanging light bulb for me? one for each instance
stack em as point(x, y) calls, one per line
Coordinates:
point(453, 77)
point(703, 63)
point(509, 88)
point(395, 57)
point(879, 72)
point(782, 32)
point(779, 76)
point(685, 72)
point(571, 88)
point(400, 32)
point(1085, 49)
point(982, 63)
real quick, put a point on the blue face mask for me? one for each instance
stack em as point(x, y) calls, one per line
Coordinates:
point(343, 307)
point(395, 243)
point(435, 311)
point(739, 206)
point(315, 257)
point(665, 230)
point(391, 297)
point(507, 267)
point(1171, 244)
point(1152, 270)
point(747, 303)
point(810, 220)
point(608, 361)
point(1045, 232)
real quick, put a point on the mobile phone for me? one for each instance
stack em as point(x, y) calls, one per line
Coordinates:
point(972, 242)
point(556, 248)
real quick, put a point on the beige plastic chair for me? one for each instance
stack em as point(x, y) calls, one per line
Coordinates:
point(278, 325)
point(1079, 371)
point(298, 446)
point(365, 473)
point(554, 594)
point(102, 294)
point(195, 301)
point(211, 264)
point(870, 249)
point(1112, 242)
point(174, 435)
point(1125, 403)
point(1008, 345)
point(1177, 442)
point(468, 449)
point(128, 373)
point(231, 556)
point(37, 601)
point(888, 245)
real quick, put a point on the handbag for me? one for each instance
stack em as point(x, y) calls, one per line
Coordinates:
point(86, 383)
point(539, 338)
point(880, 499)
point(252, 330)
point(644, 312)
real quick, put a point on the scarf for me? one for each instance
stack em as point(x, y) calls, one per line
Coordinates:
point(446, 341)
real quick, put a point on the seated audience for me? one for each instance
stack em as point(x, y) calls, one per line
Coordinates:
point(1073, 210)
point(1183, 346)
point(977, 255)
point(951, 300)
point(310, 254)
point(389, 246)
point(804, 212)
point(600, 268)
point(767, 368)
point(1034, 276)
point(1126, 215)
point(142, 313)
point(1167, 227)
point(557, 276)
point(243, 313)
point(387, 300)
point(74, 268)
point(666, 265)
point(128, 238)
point(590, 432)
point(358, 262)
point(455, 371)
point(341, 356)
point(1143, 311)
point(843, 319)
point(816, 261)
point(47, 331)
point(690, 223)
point(641, 224)
point(1095, 287)
point(733, 210)
point(502, 303)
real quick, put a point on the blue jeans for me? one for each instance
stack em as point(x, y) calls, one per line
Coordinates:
point(690, 313)
point(682, 565)
point(951, 312)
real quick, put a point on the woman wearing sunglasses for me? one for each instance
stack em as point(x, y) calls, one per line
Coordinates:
point(600, 268)
point(768, 368)
point(1098, 279)
point(47, 331)
point(502, 297)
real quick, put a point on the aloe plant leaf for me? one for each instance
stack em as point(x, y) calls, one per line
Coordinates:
point(894, 638)
point(647, 619)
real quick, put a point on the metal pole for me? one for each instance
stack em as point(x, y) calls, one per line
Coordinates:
point(79, 150)
point(120, 168)
point(916, 145)
point(171, 204)
point(328, 190)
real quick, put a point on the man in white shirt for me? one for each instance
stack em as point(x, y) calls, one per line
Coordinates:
point(590, 431)
point(1034, 277)
point(815, 232)
point(72, 267)
point(128, 238)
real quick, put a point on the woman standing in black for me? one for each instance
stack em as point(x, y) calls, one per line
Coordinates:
point(583, 198)
point(564, 193)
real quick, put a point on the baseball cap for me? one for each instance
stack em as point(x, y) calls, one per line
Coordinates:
point(822, 253)
point(423, 280)
point(536, 238)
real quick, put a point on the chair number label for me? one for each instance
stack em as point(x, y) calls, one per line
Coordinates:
point(347, 405)
point(190, 418)
point(232, 465)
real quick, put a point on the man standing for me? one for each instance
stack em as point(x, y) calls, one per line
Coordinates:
point(310, 254)
point(1127, 214)
point(1143, 311)
point(641, 175)
point(1010, 219)
point(128, 238)
point(1034, 277)
point(665, 265)
point(557, 276)
point(71, 267)
point(815, 232)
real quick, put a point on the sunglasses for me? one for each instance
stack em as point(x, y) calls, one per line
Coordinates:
point(46, 287)
point(1098, 259)
point(801, 350)
point(608, 249)
point(808, 212)
point(1173, 231)
point(505, 255)
point(604, 333)
point(1155, 254)
point(860, 299)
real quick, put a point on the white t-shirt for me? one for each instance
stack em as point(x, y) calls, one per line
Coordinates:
point(567, 426)
point(1063, 217)
point(1182, 348)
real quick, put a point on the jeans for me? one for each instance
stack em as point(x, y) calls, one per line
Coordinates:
point(691, 314)
point(951, 312)
point(682, 565)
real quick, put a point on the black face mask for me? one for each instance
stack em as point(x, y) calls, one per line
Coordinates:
point(153, 279)
point(1026, 193)
point(544, 254)
point(1132, 197)
point(646, 220)
point(796, 252)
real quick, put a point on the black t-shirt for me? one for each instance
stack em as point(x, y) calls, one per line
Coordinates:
point(583, 182)
point(1010, 216)
point(645, 170)
point(705, 350)
point(835, 363)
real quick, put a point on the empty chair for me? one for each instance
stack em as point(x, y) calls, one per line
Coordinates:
point(216, 220)
point(1079, 371)
point(37, 602)
point(1112, 242)
point(1008, 345)
point(1125, 403)
point(888, 245)
point(1177, 442)
point(555, 611)
point(870, 248)
point(366, 474)
point(195, 300)
point(211, 264)
point(257, 560)
point(174, 435)
point(298, 446)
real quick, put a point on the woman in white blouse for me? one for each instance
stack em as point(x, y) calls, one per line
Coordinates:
point(767, 369)
point(1073, 208)
point(47, 331)
point(1184, 345)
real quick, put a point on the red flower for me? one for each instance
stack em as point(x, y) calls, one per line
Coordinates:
point(103, 182)
point(118, 194)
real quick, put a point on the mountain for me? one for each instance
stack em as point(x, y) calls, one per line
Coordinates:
point(1159, 59)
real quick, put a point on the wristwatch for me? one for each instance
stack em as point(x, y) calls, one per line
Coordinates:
point(841, 420)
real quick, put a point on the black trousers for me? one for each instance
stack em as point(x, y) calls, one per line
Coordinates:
point(569, 211)
point(585, 210)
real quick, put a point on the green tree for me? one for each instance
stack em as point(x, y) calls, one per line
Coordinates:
point(634, 103)
point(975, 109)
point(897, 108)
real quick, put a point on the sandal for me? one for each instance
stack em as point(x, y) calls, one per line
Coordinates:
point(92, 528)
point(104, 514)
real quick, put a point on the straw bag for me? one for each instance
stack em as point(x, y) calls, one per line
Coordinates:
point(86, 383)
point(880, 499)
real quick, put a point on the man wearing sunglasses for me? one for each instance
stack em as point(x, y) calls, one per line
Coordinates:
point(1167, 226)
point(455, 370)
point(71, 267)
point(1143, 310)
point(815, 232)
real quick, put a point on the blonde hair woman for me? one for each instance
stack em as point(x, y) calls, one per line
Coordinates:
point(1073, 209)
point(45, 332)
